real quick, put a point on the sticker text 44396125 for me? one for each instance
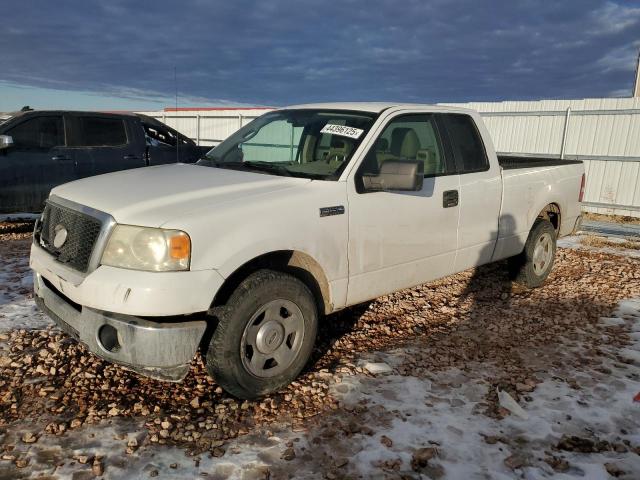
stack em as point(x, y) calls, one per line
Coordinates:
point(342, 130)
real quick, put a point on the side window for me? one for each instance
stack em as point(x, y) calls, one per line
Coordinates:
point(100, 132)
point(409, 137)
point(156, 136)
point(39, 132)
point(466, 143)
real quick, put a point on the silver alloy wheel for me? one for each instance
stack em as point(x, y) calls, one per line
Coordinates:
point(272, 338)
point(542, 254)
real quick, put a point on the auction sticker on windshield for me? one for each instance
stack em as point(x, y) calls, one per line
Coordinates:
point(342, 130)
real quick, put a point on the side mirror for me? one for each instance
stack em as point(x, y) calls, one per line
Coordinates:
point(396, 175)
point(6, 141)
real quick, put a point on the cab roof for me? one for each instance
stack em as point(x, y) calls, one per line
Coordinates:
point(376, 107)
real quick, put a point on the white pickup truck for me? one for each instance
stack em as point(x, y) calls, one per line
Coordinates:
point(303, 212)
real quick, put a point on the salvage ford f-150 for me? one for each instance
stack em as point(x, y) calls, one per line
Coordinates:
point(301, 213)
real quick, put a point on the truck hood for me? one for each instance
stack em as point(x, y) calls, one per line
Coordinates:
point(150, 196)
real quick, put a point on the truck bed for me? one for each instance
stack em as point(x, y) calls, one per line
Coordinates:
point(511, 162)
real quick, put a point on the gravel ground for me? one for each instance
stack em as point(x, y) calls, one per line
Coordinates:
point(406, 387)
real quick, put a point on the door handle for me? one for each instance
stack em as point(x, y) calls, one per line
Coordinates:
point(450, 198)
point(131, 157)
point(60, 158)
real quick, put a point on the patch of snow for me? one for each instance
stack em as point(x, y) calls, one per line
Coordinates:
point(244, 456)
point(445, 411)
point(23, 314)
point(613, 321)
point(575, 242)
point(17, 308)
point(377, 368)
point(571, 241)
point(631, 353)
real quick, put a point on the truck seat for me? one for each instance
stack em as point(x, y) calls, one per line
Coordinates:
point(431, 159)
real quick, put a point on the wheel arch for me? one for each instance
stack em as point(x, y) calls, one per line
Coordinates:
point(297, 263)
point(552, 213)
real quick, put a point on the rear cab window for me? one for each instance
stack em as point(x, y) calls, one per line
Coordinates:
point(466, 143)
point(41, 132)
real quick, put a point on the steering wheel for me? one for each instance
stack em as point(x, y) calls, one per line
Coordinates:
point(338, 156)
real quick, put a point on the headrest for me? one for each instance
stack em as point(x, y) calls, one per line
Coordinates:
point(410, 145)
point(405, 143)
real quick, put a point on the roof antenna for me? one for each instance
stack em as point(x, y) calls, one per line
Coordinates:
point(636, 83)
point(175, 82)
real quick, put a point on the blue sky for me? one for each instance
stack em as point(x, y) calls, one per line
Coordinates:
point(116, 54)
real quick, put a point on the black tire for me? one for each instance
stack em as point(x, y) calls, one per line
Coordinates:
point(228, 358)
point(524, 268)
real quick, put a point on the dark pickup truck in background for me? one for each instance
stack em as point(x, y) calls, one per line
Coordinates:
point(42, 149)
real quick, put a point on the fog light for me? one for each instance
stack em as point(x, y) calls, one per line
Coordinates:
point(108, 338)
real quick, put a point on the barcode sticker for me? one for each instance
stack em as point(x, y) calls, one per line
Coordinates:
point(343, 131)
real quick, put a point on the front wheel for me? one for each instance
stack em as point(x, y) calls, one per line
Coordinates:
point(532, 267)
point(265, 335)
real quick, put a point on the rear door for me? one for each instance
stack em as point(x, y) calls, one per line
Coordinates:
point(398, 239)
point(103, 144)
point(38, 161)
point(480, 191)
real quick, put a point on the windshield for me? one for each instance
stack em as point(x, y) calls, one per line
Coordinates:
point(314, 144)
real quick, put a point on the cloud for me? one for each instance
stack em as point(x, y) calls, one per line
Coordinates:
point(620, 58)
point(278, 52)
point(614, 18)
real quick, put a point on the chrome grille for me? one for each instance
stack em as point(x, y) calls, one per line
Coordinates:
point(83, 232)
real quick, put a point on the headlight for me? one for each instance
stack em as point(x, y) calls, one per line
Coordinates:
point(152, 249)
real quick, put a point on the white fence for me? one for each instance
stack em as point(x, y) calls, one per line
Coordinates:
point(604, 133)
point(208, 126)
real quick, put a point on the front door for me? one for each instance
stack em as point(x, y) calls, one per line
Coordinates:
point(399, 239)
point(38, 161)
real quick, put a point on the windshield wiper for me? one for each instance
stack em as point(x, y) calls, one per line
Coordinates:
point(269, 167)
point(263, 166)
point(260, 166)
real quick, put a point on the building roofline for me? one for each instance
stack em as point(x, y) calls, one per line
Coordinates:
point(191, 109)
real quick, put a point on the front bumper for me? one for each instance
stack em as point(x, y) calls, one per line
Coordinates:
point(130, 292)
point(156, 349)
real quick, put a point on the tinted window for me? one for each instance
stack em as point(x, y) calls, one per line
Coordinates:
point(101, 132)
point(39, 132)
point(466, 143)
point(157, 136)
point(409, 137)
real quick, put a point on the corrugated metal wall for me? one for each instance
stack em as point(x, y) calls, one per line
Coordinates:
point(603, 132)
point(208, 126)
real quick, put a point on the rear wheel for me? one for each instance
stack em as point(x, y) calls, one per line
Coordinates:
point(533, 265)
point(265, 335)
